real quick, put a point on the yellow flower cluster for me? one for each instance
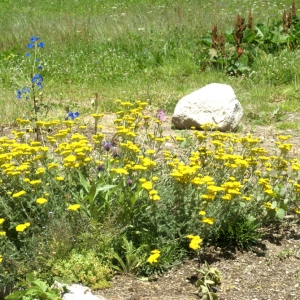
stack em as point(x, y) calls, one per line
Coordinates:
point(74, 207)
point(220, 170)
point(195, 241)
point(22, 227)
point(153, 258)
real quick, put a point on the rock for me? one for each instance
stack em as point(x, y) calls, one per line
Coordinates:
point(215, 103)
point(77, 292)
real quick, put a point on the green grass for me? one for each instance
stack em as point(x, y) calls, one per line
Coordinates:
point(146, 50)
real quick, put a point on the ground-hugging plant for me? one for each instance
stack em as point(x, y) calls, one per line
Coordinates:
point(208, 278)
point(83, 268)
point(34, 288)
point(131, 259)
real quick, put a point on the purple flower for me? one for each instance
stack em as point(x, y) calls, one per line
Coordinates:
point(100, 167)
point(129, 182)
point(107, 146)
point(116, 154)
point(161, 115)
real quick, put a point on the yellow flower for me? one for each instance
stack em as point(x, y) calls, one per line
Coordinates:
point(97, 116)
point(59, 178)
point(1, 257)
point(202, 213)
point(227, 197)
point(155, 254)
point(22, 227)
point(52, 165)
point(70, 159)
point(74, 207)
point(41, 200)
point(154, 178)
point(18, 194)
point(1, 221)
point(155, 197)
point(147, 185)
point(2, 233)
point(150, 151)
point(35, 182)
point(297, 211)
point(195, 241)
point(120, 171)
point(209, 221)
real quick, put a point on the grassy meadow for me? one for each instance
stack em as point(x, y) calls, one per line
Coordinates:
point(81, 200)
point(147, 50)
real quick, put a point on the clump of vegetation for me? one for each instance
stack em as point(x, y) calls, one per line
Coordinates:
point(79, 200)
point(84, 268)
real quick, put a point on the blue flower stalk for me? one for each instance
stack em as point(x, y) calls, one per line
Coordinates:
point(36, 79)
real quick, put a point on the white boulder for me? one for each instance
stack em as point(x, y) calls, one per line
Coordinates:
point(77, 292)
point(215, 103)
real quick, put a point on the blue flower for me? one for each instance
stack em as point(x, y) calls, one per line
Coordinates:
point(30, 46)
point(41, 45)
point(40, 67)
point(25, 90)
point(27, 54)
point(33, 39)
point(72, 115)
point(18, 94)
point(37, 77)
point(39, 85)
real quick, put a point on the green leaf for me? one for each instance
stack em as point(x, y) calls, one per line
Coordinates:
point(283, 206)
point(280, 213)
point(14, 295)
point(120, 261)
point(249, 36)
point(84, 182)
point(213, 295)
point(242, 204)
point(274, 205)
point(30, 277)
point(204, 289)
point(34, 290)
point(206, 40)
point(183, 144)
point(207, 281)
point(199, 282)
point(41, 284)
